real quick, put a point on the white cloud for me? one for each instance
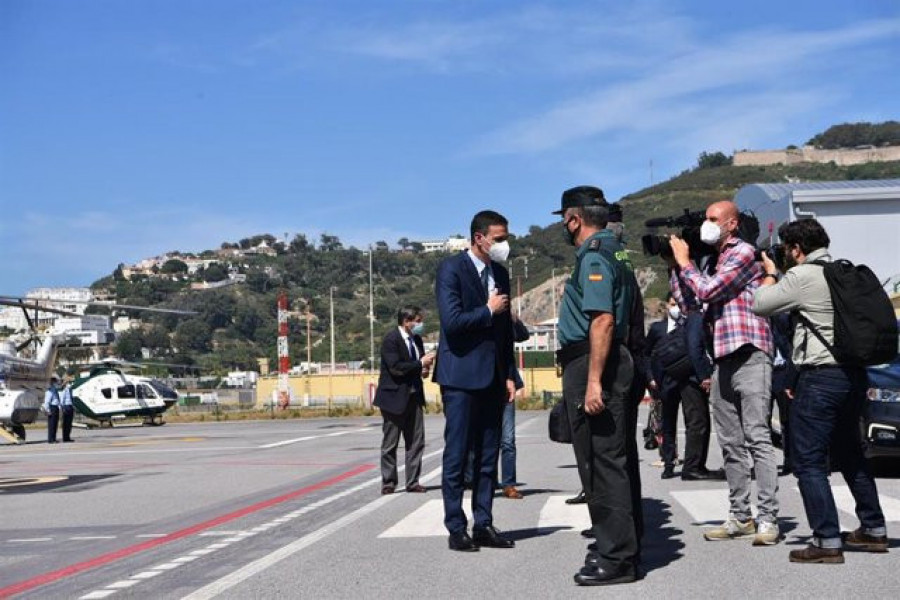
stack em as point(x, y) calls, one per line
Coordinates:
point(683, 92)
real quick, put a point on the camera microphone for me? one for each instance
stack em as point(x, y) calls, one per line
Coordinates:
point(658, 222)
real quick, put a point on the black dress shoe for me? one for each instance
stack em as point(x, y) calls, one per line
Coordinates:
point(490, 537)
point(714, 474)
point(581, 498)
point(461, 542)
point(668, 473)
point(387, 489)
point(595, 575)
point(696, 476)
point(588, 533)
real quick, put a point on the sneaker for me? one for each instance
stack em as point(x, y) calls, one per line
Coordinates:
point(767, 534)
point(731, 529)
point(861, 541)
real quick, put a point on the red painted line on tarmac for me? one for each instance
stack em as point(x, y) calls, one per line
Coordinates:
point(28, 584)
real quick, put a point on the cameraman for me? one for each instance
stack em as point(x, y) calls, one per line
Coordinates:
point(742, 377)
point(828, 401)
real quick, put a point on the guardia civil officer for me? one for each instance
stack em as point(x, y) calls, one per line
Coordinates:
point(51, 406)
point(597, 376)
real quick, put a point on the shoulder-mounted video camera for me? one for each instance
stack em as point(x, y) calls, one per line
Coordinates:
point(654, 244)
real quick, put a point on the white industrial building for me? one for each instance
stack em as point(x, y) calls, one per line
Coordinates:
point(88, 329)
point(862, 217)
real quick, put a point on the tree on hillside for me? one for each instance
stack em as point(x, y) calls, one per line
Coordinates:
point(173, 266)
point(709, 160)
point(381, 246)
point(850, 135)
point(330, 243)
point(128, 344)
point(214, 272)
point(403, 243)
point(194, 335)
point(416, 247)
point(299, 244)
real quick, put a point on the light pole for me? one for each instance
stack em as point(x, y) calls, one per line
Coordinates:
point(331, 371)
point(555, 315)
point(331, 311)
point(371, 318)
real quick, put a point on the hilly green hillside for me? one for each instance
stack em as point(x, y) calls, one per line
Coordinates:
point(237, 324)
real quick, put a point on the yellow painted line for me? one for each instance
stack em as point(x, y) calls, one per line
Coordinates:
point(7, 482)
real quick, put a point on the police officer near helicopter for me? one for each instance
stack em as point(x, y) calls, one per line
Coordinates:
point(597, 375)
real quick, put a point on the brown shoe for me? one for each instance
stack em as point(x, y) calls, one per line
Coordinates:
point(814, 554)
point(512, 493)
point(417, 489)
point(387, 489)
point(860, 541)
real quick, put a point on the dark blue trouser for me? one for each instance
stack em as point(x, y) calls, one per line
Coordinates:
point(472, 420)
point(52, 424)
point(825, 416)
point(508, 445)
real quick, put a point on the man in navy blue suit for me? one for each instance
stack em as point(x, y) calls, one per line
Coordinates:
point(475, 368)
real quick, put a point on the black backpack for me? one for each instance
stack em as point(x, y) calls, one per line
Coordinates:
point(865, 326)
point(671, 352)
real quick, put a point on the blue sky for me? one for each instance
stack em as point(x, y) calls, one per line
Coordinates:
point(128, 129)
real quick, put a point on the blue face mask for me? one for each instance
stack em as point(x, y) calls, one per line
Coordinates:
point(418, 329)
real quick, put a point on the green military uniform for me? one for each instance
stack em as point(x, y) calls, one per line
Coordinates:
point(600, 284)
point(596, 285)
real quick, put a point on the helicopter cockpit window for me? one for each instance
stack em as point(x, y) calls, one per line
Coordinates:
point(144, 391)
point(126, 391)
point(107, 393)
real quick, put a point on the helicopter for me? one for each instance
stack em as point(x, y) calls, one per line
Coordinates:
point(24, 380)
point(106, 393)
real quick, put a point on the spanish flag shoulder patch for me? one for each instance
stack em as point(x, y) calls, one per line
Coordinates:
point(595, 277)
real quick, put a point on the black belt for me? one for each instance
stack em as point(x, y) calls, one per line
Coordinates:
point(570, 352)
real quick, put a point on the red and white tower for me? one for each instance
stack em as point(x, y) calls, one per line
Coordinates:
point(284, 359)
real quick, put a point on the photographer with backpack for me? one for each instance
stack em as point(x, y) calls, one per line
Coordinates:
point(830, 393)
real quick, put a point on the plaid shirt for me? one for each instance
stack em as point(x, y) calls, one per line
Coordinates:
point(729, 296)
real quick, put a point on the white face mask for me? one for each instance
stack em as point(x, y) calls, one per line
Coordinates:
point(710, 233)
point(499, 251)
point(674, 312)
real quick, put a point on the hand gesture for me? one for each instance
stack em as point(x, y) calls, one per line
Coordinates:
point(510, 390)
point(428, 360)
point(680, 251)
point(593, 399)
point(498, 302)
point(768, 265)
point(706, 384)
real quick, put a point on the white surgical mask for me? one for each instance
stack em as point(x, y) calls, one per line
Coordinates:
point(418, 329)
point(499, 251)
point(710, 233)
point(674, 312)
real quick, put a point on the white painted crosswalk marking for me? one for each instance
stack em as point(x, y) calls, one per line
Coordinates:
point(706, 507)
point(425, 521)
point(845, 502)
point(557, 515)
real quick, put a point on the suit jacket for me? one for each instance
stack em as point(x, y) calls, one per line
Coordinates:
point(475, 347)
point(400, 374)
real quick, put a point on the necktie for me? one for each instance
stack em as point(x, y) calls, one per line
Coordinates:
point(484, 281)
point(412, 349)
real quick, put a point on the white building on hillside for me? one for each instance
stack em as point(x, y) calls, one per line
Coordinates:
point(70, 299)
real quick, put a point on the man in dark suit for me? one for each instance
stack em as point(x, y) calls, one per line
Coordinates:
point(475, 368)
point(689, 387)
point(401, 398)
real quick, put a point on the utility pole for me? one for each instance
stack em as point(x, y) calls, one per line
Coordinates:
point(555, 316)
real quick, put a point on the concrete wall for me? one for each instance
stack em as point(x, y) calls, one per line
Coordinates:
point(842, 157)
point(358, 388)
